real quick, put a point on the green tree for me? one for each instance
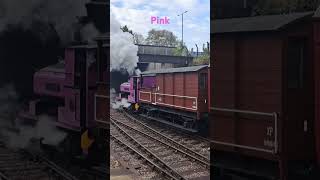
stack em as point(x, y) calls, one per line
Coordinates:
point(180, 50)
point(126, 29)
point(161, 38)
point(138, 38)
point(203, 58)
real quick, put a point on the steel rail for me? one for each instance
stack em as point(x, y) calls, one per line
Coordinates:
point(58, 170)
point(163, 171)
point(187, 150)
point(205, 140)
point(142, 148)
point(61, 172)
point(204, 161)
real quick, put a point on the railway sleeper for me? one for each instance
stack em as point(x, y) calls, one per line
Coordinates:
point(153, 131)
point(159, 169)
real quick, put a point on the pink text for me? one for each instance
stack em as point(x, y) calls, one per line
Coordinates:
point(157, 20)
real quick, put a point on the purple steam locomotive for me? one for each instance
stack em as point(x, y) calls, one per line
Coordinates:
point(75, 91)
point(57, 89)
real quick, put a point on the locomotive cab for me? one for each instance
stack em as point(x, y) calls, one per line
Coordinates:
point(124, 90)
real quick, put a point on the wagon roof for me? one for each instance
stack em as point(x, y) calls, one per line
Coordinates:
point(257, 23)
point(175, 70)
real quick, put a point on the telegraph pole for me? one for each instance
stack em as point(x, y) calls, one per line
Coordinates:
point(182, 23)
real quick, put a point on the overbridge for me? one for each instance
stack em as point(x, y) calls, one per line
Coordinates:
point(155, 57)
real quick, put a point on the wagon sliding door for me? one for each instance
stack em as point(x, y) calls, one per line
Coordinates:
point(299, 98)
point(246, 98)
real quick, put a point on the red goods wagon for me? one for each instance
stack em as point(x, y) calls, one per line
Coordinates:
point(262, 95)
point(183, 91)
point(316, 30)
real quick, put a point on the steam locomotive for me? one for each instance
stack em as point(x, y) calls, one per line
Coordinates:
point(75, 91)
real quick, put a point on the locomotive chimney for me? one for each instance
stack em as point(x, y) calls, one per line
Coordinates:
point(97, 11)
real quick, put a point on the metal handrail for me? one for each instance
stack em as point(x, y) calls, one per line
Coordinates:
point(274, 115)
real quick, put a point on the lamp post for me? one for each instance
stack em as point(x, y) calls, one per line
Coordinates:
point(182, 23)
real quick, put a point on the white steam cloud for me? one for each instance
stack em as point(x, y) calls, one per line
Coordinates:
point(120, 104)
point(17, 135)
point(62, 14)
point(116, 104)
point(123, 51)
point(89, 32)
point(45, 128)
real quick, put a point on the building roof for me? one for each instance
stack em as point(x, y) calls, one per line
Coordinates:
point(175, 70)
point(257, 23)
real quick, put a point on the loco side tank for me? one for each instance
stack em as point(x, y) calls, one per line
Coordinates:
point(57, 89)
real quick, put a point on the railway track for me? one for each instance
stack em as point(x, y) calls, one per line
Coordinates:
point(194, 142)
point(146, 168)
point(176, 159)
point(21, 165)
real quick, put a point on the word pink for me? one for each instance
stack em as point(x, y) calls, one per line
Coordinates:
point(157, 20)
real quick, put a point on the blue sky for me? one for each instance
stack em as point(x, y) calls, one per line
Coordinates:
point(136, 14)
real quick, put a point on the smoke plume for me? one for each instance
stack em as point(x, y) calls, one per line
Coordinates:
point(45, 128)
point(123, 51)
point(88, 33)
point(61, 14)
point(33, 34)
point(17, 135)
point(120, 104)
point(116, 104)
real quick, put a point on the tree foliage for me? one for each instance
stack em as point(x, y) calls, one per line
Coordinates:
point(203, 58)
point(138, 38)
point(180, 50)
point(161, 38)
point(126, 29)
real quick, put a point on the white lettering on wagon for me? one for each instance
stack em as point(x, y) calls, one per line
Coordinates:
point(269, 131)
point(268, 143)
